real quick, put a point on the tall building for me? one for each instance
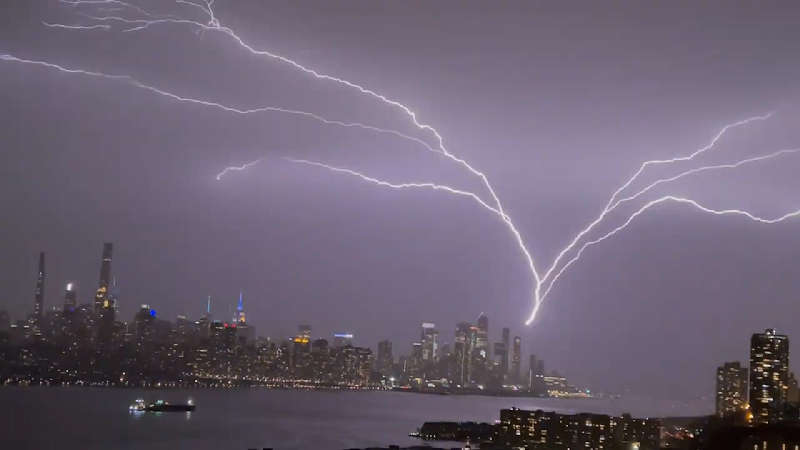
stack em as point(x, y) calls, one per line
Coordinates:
point(429, 345)
point(769, 375)
point(38, 305)
point(304, 331)
point(239, 315)
point(385, 358)
point(507, 342)
point(731, 388)
point(462, 350)
point(101, 297)
point(482, 335)
point(69, 299)
point(342, 339)
point(531, 375)
point(516, 360)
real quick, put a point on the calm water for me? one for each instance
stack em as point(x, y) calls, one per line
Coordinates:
point(240, 419)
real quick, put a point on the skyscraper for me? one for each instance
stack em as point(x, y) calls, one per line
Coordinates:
point(462, 349)
point(38, 305)
point(239, 315)
point(385, 358)
point(531, 376)
point(769, 375)
point(516, 360)
point(429, 344)
point(342, 339)
point(482, 336)
point(507, 343)
point(731, 388)
point(101, 297)
point(69, 299)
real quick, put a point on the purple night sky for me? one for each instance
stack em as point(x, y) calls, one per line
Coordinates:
point(559, 103)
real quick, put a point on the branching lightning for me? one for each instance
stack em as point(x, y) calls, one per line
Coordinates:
point(245, 166)
point(556, 269)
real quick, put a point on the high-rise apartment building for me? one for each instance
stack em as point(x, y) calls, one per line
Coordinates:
point(101, 297)
point(769, 376)
point(731, 388)
point(38, 305)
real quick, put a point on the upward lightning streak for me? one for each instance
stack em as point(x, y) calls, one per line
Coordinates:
point(659, 201)
point(612, 204)
point(650, 204)
point(214, 24)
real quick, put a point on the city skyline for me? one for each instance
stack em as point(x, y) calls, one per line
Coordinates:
point(329, 251)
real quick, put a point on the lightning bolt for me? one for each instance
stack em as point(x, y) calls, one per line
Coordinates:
point(649, 205)
point(76, 27)
point(228, 169)
point(221, 106)
point(495, 207)
point(214, 25)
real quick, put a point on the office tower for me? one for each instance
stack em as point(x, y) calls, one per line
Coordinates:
point(342, 339)
point(429, 345)
point(101, 297)
point(507, 342)
point(38, 305)
point(769, 375)
point(69, 299)
point(531, 375)
point(516, 360)
point(205, 320)
point(304, 331)
point(731, 388)
point(482, 335)
point(239, 315)
point(462, 349)
point(540, 367)
point(385, 358)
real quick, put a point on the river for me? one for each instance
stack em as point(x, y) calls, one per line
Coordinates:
point(241, 419)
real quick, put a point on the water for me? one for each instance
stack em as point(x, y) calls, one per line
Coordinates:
point(241, 419)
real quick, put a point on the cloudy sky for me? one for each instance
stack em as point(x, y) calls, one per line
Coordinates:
point(558, 103)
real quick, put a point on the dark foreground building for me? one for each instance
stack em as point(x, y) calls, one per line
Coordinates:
point(552, 431)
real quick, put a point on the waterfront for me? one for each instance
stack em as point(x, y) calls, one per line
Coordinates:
point(240, 419)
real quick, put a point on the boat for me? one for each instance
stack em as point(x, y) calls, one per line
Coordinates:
point(162, 406)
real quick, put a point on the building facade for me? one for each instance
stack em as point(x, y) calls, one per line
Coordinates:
point(769, 376)
point(731, 394)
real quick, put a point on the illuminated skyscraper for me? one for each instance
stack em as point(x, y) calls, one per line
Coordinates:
point(38, 305)
point(769, 375)
point(239, 315)
point(101, 297)
point(342, 339)
point(429, 344)
point(482, 335)
point(516, 359)
point(462, 350)
point(69, 299)
point(731, 388)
